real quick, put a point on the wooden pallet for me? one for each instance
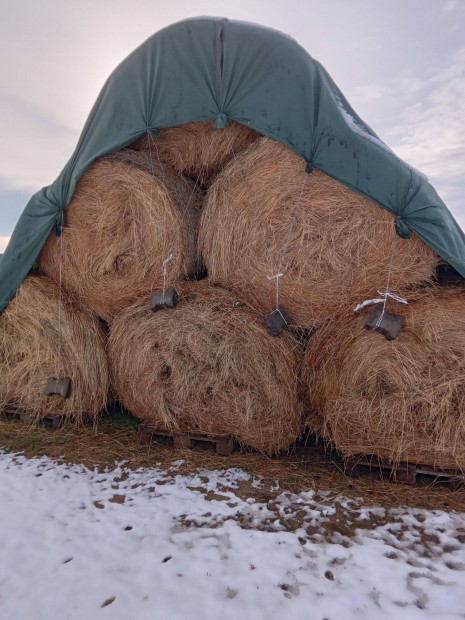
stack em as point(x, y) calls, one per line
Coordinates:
point(52, 420)
point(402, 472)
point(309, 447)
point(224, 444)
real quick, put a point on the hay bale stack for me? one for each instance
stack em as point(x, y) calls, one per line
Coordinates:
point(35, 345)
point(207, 365)
point(403, 400)
point(127, 214)
point(196, 149)
point(265, 214)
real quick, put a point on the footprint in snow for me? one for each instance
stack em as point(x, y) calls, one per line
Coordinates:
point(109, 601)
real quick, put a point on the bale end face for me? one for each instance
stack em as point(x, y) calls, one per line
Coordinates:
point(127, 215)
point(196, 149)
point(401, 400)
point(35, 345)
point(331, 246)
point(208, 365)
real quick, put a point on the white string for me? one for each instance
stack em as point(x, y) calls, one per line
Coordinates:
point(380, 299)
point(280, 271)
point(150, 138)
point(59, 369)
point(276, 276)
point(387, 292)
point(187, 204)
point(164, 271)
point(292, 224)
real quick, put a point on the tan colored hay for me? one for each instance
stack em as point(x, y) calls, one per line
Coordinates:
point(126, 216)
point(207, 365)
point(196, 149)
point(402, 400)
point(32, 349)
point(264, 213)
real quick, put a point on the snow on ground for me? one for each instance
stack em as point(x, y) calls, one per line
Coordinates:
point(155, 544)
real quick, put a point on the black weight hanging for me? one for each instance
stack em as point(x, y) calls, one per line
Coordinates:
point(389, 325)
point(277, 320)
point(161, 300)
point(58, 387)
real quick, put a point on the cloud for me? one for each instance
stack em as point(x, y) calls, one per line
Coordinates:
point(3, 243)
point(370, 93)
point(450, 5)
point(12, 204)
point(31, 158)
point(430, 131)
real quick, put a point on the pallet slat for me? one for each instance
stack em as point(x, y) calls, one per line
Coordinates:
point(402, 472)
point(224, 444)
point(50, 420)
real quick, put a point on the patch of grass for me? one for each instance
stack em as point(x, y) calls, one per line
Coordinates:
point(118, 417)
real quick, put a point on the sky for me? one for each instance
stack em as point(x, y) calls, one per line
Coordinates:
point(400, 63)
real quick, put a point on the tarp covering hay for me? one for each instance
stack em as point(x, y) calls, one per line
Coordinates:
point(402, 400)
point(127, 215)
point(38, 341)
point(224, 71)
point(264, 213)
point(196, 149)
point(207, 365)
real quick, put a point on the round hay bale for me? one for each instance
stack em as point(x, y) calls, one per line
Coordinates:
point(35, 344)
point(207, 365)
point(126, 216)
point(196, 149)
point(264, 214)
point(403, 400)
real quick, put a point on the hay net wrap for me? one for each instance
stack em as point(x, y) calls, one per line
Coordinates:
point(214, 68)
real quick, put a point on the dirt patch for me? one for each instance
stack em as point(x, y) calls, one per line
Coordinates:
point(115, 439)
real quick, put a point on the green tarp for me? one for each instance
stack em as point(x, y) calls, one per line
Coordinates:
point(214, 68)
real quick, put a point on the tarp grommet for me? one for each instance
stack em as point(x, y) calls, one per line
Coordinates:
point(221, 121)
point(401, 228)
point(309, 167)
point(60, 225)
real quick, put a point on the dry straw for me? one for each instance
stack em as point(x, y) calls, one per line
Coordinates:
point(196, 149)
point(35, 344)
point(402, 400)
point(207, 365)
point(264, 214)
point(127, 215)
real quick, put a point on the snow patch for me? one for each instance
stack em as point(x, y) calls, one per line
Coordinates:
point(154, 543)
